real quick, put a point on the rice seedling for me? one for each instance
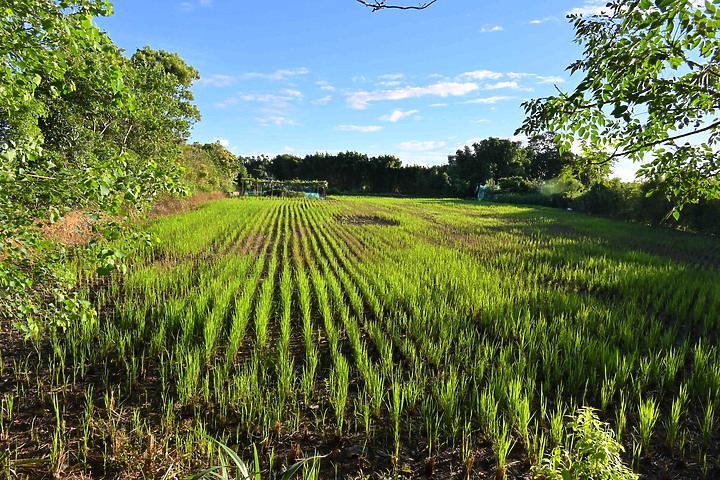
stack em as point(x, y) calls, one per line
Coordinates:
point(648, 413)
point(411, 324)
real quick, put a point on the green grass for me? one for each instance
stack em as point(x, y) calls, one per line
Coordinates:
point(411, 332)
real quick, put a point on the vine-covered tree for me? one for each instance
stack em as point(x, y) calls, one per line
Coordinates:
point(650, 86)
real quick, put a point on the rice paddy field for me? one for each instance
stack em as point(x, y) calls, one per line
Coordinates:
point(395, 338)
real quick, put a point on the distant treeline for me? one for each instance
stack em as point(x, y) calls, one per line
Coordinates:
point(536, 174)
point(492, 158)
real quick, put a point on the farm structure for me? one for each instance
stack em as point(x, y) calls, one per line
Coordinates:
point(283, 188)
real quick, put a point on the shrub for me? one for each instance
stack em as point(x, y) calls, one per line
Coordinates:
point(515, 184)
point(592, 453)
point(604, 198)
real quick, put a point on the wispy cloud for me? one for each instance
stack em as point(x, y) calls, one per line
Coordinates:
point(190, 6)
point(397, 115)
point(538, 21)
point(226, 103)
point(216, 80)
point(391, 76)
point(510, 85)
point(591, 7)
point(550, 79)
point(357, 128)
point(482, 75)
point(489, 100)
point(438, 105)
point(361, 100)
point(278, 74)
point(539, 78)
point(292, 93)
point(491, 28)
point(416, 146)
point(391, 83)
point(323, 100)
point(277, 121)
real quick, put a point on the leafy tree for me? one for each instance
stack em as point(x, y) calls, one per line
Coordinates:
point(210, 168)
point(544, 158)
point(650, 84)
point(83, 128)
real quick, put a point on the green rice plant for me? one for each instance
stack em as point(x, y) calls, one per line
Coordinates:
point(307, 379)
point(339, 382)
point(648, 413)
point(620, 418)
point(502, 445)
point(395, 407)
point(673, 424)
point(708, 424)
point(557, 425)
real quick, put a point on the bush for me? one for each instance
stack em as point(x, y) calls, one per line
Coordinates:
point(516, 185)
point(592, 453)
point(604, 198)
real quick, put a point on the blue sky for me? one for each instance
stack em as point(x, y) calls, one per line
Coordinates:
point(329, 75)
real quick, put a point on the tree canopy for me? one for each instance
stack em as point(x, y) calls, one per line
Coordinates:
point(82, 128)
point(650, 86)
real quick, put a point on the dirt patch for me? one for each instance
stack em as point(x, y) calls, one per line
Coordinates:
point(367, 220)
point(74, 229)
point(173, 206)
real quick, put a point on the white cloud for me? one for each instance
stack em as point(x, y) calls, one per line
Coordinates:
point(392, 83)
point(397, 115)
point(511, 85)
point(361, 100)
point(190, 6)
point(288, 149)
point(222, 141)
point(277, 121)
point(488, 29)
point(323, 100)
point(217, 80)
point(482, 75)
point(438, 105)
point(520, 75)
point(356, 128)
point(591, 7)
point(482, 120)
point(278, 74)
point(517, 138)
point(391, 76)
point(489, 100)
point(328, 88)
point(543, 20)
point(416, 146)
point(292, 93)
point(226, 103)
point(550, 79)
point(264, 98)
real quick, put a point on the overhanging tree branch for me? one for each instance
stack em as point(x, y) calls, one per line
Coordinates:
point(382, 4)
point(656, 142)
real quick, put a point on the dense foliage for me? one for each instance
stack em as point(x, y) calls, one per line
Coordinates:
point(210, 167)
point(84, 128)
point(650, 85)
